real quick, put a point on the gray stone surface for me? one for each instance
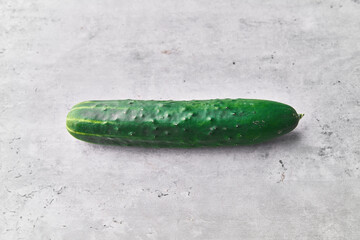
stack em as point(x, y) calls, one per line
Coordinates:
point(54, 54)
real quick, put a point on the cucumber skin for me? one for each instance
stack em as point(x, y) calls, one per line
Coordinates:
point(180, 124)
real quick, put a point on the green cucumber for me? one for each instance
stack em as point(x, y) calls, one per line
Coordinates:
point(183, 124)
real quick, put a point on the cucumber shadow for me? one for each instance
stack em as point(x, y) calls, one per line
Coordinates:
point(283, 142)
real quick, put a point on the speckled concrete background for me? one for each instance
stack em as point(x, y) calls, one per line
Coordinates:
point(54, 54)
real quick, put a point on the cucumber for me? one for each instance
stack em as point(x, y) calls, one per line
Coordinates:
point(183, 124)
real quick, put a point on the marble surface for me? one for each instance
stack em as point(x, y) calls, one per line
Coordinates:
point(54, 54)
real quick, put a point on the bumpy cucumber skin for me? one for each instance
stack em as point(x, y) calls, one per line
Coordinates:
point(180, 124)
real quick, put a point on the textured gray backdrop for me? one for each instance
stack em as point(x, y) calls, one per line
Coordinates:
point(54, 54)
